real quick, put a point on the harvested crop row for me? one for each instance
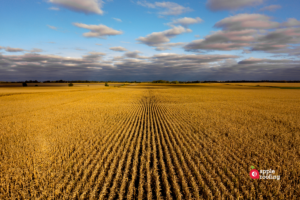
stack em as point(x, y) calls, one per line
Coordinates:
point(149, 144)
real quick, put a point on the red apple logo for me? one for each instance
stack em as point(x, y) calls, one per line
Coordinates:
point(254, 174)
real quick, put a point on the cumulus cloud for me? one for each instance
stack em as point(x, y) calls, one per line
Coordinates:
point(260, 69)
point(98, 44)
point(271, 8)
point(222, 40)
point(98, 31)
point(186, 21)
point(169, 8)
point(117, 19)
point(168, 66)
point(254, 31)
point(159, 38)
point(86, 6)
point(278, 39)
point(293, 51)
point(191, 58)
point(52, 27)
point(54, 8)
point(217, 5)
point(253, 60)
point(247, 21)
point(36, 66)
point(119, 48)
point(291, 22)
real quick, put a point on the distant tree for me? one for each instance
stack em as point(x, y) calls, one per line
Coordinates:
point(70, 84)
point(106, 84)
point(160, 81)
point(24, 84)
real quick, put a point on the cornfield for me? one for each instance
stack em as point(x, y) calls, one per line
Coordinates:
point(149, 141)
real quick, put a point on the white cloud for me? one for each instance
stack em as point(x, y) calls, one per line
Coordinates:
point(54, 8)
point(278, 39)
point(217, 5)
point(85, 6)
point(271, 8)
point(169, 8)
point(249, 31)
point(52, 27)
point(247, 21)
point(186, 21)
point(98, 44)
point(197, 36)
point(158, 38)
point(118, 48)
point(291, 22)
point(223, 40)
point(117, 19)
point(98, 31)
point(290, 51)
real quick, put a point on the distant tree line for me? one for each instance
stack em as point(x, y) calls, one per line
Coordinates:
point(65, 81)
point(232, 81)
point(164, 81)
point(155, 81)
point(86, 81)
point(253, 81)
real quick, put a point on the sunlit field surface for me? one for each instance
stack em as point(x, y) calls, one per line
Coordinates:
point(150, 141)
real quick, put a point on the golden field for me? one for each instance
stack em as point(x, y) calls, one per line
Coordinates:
point(150, 141)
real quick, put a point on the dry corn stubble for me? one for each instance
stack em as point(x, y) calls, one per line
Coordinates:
point(149, 141)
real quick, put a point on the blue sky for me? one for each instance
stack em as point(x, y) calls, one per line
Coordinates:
point(146, 40)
